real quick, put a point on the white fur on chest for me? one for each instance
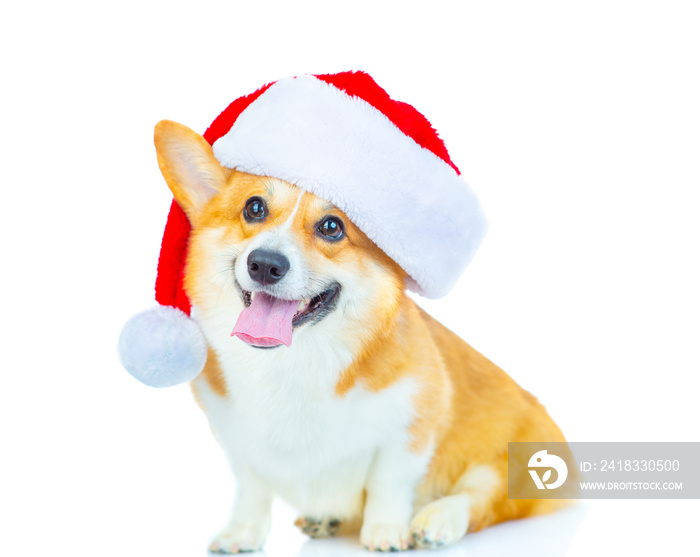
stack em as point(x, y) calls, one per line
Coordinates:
point(283, 420)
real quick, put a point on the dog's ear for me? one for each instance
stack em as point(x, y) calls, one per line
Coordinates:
point(188, 166)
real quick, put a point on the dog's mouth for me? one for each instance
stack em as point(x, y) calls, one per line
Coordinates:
point(268, 322)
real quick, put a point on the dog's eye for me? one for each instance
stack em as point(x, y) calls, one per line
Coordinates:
point(331, 228)
point(254, 209)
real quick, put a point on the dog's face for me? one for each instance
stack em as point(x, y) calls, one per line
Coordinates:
point(272, 259)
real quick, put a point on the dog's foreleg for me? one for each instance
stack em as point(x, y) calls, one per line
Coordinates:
point(390, 486)
point(250, 519)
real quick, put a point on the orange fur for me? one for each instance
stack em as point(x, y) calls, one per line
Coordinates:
point(214, 376)
point(489, 410)
point(465, 406)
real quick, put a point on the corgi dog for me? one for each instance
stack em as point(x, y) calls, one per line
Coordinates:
point(334, 390)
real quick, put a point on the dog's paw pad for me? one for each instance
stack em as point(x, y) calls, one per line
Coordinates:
point(439, 524)
point(425, 540)
point(386, 537)
point(238, 538)
point(318, 528)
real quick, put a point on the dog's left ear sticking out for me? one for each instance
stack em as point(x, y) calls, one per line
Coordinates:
point(188, 165)
point(162, 346)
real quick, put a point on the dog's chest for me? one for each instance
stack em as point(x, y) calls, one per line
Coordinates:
point(283, 417)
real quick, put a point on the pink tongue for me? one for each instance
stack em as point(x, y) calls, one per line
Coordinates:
point(267, 321)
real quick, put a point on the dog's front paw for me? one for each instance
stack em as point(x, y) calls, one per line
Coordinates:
point(386, 537)
point(440, 523)
point(238, 538)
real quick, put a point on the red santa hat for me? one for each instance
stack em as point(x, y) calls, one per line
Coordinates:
point(342, 138)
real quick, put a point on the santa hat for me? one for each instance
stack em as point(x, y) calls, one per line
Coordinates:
point(342, 138)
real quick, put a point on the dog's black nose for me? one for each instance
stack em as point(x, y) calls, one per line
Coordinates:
point(267, 267)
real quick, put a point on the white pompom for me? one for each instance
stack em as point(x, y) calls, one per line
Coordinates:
point(162, 347)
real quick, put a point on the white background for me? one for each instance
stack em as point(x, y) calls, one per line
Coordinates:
point(579, 127)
